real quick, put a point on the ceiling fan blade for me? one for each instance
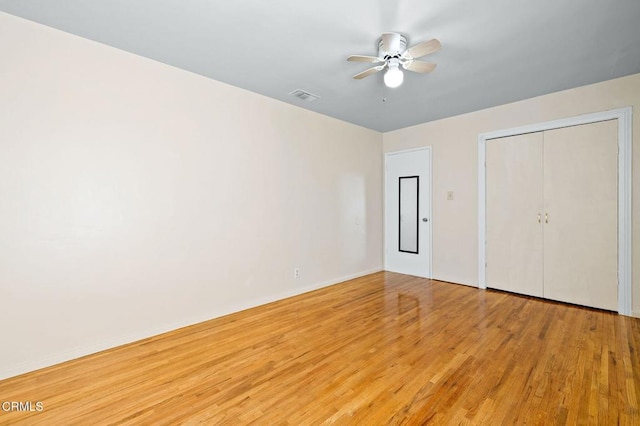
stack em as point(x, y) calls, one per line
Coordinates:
point(390, 42)
point(361, 58)
point(368, 72)
point(421, 49)
point(419, 66)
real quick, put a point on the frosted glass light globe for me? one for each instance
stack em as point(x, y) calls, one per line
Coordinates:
point(393, 77)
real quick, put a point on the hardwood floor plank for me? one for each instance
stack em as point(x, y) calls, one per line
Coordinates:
point(382, 349)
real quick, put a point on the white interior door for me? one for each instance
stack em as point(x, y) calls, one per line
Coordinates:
point(408, 212)
point(514, 203)
point(581, 217)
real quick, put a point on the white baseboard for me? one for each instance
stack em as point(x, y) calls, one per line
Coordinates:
point(448, 280)
point(84, 350)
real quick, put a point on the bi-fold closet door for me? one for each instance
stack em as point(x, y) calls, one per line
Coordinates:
point(551, 214)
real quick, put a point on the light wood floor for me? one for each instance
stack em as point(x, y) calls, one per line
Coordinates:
point(383, 349)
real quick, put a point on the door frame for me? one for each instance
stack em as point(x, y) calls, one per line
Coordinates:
point(624, 117)
point(430, 203)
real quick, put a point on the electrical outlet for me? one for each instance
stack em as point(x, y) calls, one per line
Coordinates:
point(296, 273)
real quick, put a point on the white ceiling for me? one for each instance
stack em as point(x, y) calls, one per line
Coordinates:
point(494, 51)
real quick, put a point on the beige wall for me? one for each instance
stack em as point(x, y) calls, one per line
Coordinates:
point(136, 198)
point(455, 168)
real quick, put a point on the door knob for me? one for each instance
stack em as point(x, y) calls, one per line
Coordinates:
point(425, 219)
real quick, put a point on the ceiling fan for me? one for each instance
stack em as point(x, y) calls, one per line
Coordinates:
point(393, 54)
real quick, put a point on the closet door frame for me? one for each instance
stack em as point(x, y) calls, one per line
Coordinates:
point(624, 117)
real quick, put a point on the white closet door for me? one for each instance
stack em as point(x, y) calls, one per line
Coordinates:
point(514, 203)
point(580, 230)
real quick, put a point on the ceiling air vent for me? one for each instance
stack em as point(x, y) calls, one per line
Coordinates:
point(305, 96)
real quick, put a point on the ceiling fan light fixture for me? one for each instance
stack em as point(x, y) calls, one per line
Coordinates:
point(393, 77)
point(393, 52)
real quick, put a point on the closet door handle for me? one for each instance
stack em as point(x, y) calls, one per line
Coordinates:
point(546, 218)
point(539, 221)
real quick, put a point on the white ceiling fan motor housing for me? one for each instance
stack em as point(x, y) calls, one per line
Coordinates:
point(397, 46)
